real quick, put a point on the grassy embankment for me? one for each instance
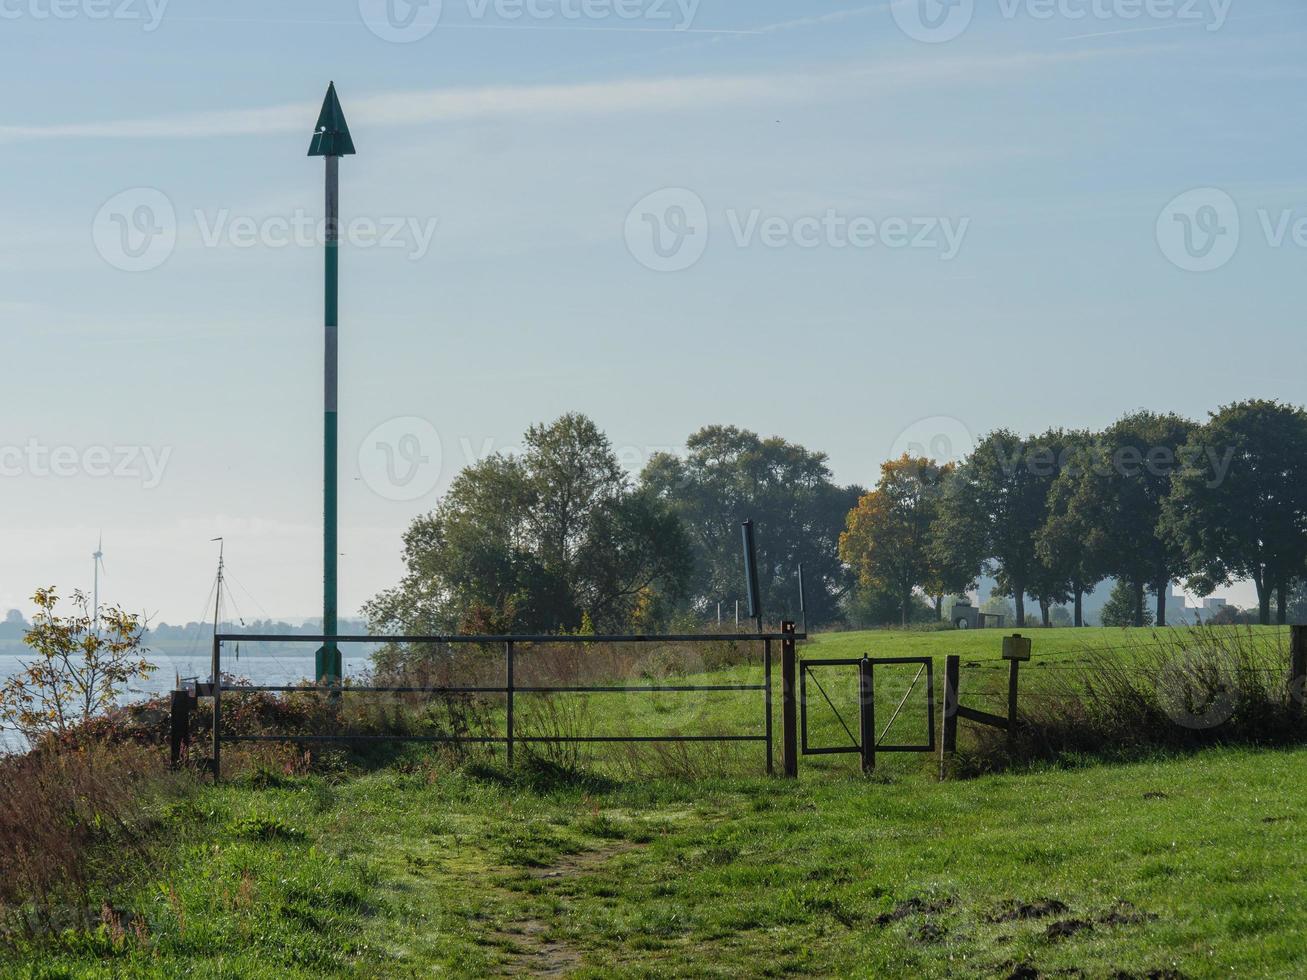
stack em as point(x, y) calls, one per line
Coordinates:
point(1184, 864)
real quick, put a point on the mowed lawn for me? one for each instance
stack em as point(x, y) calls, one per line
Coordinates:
point(1182, 866)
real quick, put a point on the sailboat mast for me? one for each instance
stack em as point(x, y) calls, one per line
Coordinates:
point(217, 605)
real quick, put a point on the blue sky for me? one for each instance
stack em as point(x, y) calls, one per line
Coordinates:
point(864, 240)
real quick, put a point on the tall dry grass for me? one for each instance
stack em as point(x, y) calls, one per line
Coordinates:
point(71, 822)
point(1177, 690)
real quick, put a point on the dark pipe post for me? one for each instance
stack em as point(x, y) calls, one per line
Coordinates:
point(179, 725)
point(508, 652)
point(751, 575)
point(867, 714)
point(217, 708)
point(803, 602)
point(1297, 669)
point(766, 680)
point(789, 703)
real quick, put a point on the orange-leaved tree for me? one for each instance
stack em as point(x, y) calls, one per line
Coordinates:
point(887, 539)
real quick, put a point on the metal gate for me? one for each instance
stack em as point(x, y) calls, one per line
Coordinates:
point(217, 688)
point(866, 743)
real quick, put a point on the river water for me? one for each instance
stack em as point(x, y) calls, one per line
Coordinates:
point(260, 668)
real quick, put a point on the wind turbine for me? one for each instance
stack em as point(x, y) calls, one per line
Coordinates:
point(98, 557)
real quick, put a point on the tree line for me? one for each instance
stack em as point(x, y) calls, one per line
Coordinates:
point(559, 538)
point(1152, 500)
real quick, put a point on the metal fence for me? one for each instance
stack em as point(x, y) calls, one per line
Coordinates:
point(509, 689)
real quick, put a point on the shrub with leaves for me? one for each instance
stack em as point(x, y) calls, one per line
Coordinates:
point(81, 663)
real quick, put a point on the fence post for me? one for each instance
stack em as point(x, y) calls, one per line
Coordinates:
point(179, 725)
point(948, 740)
point(508, 649)
point(217, 708)
point(1297, 669)
point(867, 714)
point(766, 683)
point(1012, 703)
point(789, 703)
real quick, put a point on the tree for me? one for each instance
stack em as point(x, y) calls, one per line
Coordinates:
point(888, 534)
point(537, 543)
point(1069, 541)
point(1239, 505)
point(867, 607)
point(1116, 502)
point(992, 508)
point(729, 475)
point(1122, 607)
point(80, 667)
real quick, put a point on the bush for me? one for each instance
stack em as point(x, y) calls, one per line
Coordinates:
point(1183, 690)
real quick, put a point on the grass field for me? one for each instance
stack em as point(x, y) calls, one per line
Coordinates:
point(1180, 866)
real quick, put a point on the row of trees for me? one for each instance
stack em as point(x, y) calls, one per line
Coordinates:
point(1152, 500)
point(558, 537)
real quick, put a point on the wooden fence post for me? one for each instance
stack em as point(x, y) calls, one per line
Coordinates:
point(867, 714)
point(1297, 669)
point(1012, 703)
point(948, 739)
point(789, 702)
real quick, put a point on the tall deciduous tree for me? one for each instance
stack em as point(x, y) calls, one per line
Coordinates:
point(1117, 500)
point(1239, 504)
point(1069, 543)
point(887, 536)
point(538, 542)
point(992, 508)
point(729, 475)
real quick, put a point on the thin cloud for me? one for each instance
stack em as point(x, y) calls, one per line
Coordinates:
point(593, 98)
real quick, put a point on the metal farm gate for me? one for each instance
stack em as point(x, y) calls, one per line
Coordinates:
point(510, 689)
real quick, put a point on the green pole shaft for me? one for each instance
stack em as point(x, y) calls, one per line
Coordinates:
point(328, 667)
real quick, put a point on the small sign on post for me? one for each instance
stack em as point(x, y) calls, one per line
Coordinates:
point(1016, 647)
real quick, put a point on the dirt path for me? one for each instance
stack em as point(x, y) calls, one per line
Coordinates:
point(530, 952)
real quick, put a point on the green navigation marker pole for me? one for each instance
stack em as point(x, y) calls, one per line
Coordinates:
point(331, 140)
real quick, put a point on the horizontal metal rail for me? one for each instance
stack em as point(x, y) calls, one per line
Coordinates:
point(508, 638)
point(488, 740)
point(348, 689)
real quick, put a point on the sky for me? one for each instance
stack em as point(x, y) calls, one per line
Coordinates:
point(863, 227)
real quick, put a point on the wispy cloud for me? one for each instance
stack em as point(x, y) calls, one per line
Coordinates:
point(592, 98)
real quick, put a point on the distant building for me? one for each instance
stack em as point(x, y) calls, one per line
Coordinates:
point(1178, 612)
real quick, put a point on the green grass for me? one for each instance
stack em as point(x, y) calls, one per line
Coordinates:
point(1186, 864)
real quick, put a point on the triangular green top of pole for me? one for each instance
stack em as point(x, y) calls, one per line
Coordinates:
point(331, 135)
